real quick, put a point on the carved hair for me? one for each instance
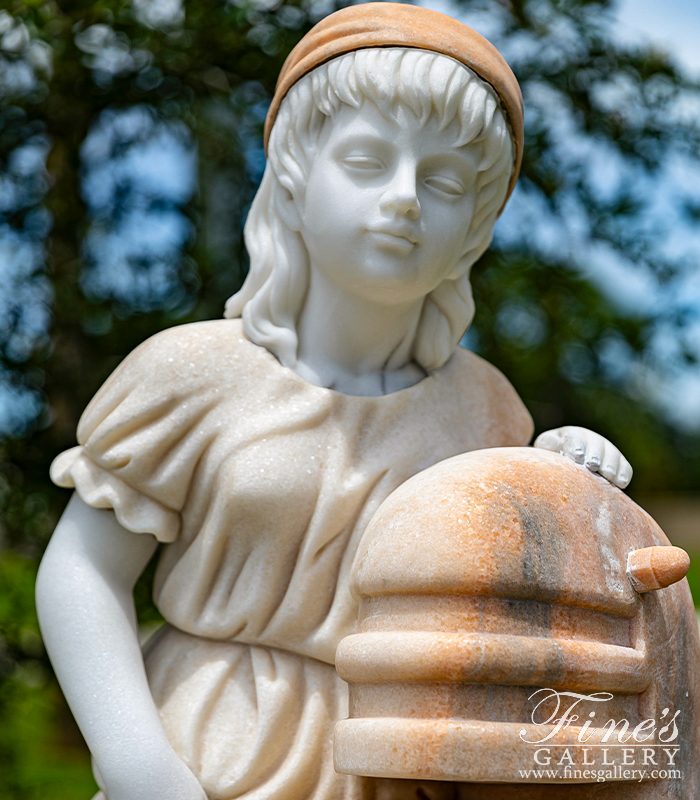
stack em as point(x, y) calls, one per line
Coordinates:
point(428, 84)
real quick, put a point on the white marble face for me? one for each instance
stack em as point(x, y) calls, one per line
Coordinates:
point(387, 204)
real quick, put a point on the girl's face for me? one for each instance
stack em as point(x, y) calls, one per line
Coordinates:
point(387, 204)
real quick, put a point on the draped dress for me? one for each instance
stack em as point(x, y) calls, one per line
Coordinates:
point(259, 485)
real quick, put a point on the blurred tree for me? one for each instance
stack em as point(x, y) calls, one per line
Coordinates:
point(130, 147)
point(585, 300)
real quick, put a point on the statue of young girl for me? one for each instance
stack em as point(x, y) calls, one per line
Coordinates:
point(257, 448)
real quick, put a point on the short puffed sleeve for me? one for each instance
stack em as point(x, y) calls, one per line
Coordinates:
point(143, 434)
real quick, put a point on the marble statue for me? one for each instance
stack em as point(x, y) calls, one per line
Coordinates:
point(257, 448)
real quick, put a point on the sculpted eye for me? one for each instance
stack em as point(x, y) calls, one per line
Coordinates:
point(445, 185)
point(362, 163)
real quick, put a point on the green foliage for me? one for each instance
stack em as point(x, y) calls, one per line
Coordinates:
point(35, 759)
point(549, 332)
point(41, 752)
point(694, 580)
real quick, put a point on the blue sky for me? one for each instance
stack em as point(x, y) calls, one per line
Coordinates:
point(672, 25)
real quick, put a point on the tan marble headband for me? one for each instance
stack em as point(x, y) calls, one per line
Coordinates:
point(398, 25)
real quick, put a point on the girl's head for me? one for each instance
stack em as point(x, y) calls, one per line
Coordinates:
point(430, 87)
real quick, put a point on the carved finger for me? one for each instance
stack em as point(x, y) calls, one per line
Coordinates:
point(549, 440)
point(574, 444)
point(624, 473)
point(595, 448)
point(611, 462)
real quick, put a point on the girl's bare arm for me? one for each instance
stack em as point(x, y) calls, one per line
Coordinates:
point(86, 611)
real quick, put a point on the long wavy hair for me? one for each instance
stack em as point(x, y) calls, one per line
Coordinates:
point(428, 84)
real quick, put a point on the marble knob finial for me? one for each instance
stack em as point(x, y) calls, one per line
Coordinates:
point(654, 568)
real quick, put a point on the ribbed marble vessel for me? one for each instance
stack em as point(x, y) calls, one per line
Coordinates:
point(499, 573)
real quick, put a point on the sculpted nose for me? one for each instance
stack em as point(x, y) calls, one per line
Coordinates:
point(401, 196)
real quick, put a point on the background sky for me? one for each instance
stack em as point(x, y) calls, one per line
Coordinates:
point(674, 25)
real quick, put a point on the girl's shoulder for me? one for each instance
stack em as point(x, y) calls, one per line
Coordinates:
point(493, 404)
point(146, 430)
point(176, 373)
point(183, 348)
point(182, 360)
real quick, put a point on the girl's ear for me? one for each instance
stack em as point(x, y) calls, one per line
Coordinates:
point(288, 209)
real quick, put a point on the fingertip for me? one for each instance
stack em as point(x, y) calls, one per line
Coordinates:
point(549, 440)
point(624, 477)
point(609, 472)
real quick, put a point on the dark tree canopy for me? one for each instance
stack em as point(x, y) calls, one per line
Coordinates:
point(130, 148)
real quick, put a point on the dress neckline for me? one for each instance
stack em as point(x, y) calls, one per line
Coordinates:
point(426, 383)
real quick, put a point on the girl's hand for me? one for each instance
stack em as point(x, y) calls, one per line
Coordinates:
point(590, 449)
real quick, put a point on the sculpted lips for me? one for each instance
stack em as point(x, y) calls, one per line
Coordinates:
point(399, 237)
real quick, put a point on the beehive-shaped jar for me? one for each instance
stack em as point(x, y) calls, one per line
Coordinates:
point(493, 575)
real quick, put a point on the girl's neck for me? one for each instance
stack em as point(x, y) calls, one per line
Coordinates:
point(354, 345)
